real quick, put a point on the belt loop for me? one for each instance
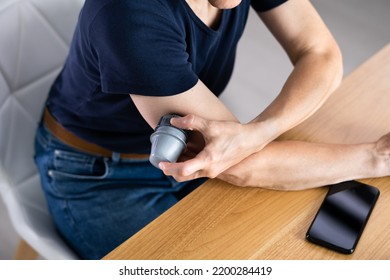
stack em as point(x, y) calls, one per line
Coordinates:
point(115, 157)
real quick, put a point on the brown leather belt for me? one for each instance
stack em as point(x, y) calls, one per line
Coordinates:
point(74, 141)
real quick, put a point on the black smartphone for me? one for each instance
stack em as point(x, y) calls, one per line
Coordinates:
point(342, 216)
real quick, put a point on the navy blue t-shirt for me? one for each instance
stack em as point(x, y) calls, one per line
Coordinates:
point(145, 47)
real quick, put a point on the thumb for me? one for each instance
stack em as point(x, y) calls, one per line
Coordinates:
point(190, 122)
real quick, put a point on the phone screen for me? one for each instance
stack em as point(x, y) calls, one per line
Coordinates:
point(342, 216)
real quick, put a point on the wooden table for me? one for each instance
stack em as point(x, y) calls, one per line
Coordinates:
point(221, 221)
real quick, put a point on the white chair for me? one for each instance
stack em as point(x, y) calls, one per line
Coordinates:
point(34, 41)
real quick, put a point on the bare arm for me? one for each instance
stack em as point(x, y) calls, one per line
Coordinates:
point(317, 72)
point(198, 100)
point(281, 165)
point(316, 59)
point(294, 165)
point(224, 133)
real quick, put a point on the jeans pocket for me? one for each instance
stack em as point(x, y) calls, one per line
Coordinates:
point(69, 165)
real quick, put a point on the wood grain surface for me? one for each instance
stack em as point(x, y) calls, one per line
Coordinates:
point(221, 221)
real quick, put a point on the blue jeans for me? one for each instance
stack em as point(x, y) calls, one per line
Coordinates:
point(99, 202)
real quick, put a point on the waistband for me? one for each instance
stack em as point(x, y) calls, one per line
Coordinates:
point(76, 142)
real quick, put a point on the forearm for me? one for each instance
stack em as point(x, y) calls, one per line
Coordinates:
point(314, 78)
point(294, 165)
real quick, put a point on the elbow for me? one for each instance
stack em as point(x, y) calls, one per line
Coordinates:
point(332, 55)
point(335, 58)
point(329, 60)
point(238, 176)
point(326, 53)
point(234, 179)
point(247, 179)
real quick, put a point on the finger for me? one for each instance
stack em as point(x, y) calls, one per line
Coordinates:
point(187, 169)
point(169, 169)
point(190, 122)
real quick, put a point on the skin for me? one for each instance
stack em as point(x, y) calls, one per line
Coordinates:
point(294, 165)
point(219, 4)
point(246, 154)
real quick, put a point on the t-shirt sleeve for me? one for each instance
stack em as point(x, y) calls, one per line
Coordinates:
point(140, 49)
point(265, 5)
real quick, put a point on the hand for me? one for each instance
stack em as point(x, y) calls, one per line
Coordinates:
point(225, 145)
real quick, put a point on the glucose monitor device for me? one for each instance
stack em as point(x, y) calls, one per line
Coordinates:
point(168, 141)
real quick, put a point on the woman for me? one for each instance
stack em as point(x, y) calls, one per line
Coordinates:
point(176, 57)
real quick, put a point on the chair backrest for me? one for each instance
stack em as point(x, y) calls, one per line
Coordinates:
point(34, 41)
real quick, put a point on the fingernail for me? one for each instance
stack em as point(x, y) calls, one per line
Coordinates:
point(176, 119)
